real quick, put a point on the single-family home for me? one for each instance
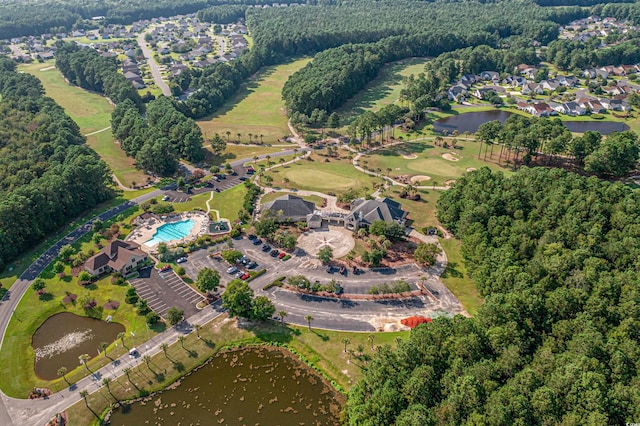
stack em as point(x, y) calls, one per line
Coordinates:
point(570, 108)
point(551, 84)
point(490, 76)
point(457, 93)
point(540, 109)
point(532, 88)
point(568, 80)
point(515, 81)
point(595, 106)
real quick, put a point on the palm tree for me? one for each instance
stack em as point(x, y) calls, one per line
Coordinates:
point(286, 181)
point(371, 337)
point(439, 140)
point(62, 371)
point(255, 159)
point(389, 170)
point(345, 341)
point(126, 372)
point(282, 314)
point(106, 382)
point(147, 360)
point(435, 183)
point(84, 394)
point(250, 135)
point(103, 347)
point(239, 136)
point(83, 360)
point(350, 352)
point(261, 136)
point(197, 328)
point(228, 135)
point(182, 339)
point(255, 138)
point(164, 348)
point(309, 318)
point(121, 336)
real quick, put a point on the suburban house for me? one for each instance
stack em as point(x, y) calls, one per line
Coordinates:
point(570, 108)
point(540, 109)
point(365, 212)
point(119, 256)
point(290, 208)
point(534, 88)
point(457, 93)
point(490, 75)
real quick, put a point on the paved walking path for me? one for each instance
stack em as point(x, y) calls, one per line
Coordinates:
point(98, 131)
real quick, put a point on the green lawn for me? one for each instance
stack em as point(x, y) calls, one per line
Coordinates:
point(228, 202)
point(322, 348)
point(257, 108)
point(422, 213)
point(336, 176)
point(91, 112)
point(273, 195)
point(17, 376)
point(456, 278)
point(430, 160)
point(237, 152)
point(384, 90)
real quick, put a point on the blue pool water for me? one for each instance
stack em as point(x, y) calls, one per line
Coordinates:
point(171, 231)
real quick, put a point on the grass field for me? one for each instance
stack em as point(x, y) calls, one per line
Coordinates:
point(384, 90)
point(91, 112)
point(228, 202)
point(422, 213)
point(322, 348)
point(257, 108)
point(429, 160)
point(237, 152)
point(17, 376)
point(456, 278)
point(336, 176)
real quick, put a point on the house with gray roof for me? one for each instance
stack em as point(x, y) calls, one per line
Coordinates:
point(365, 212)
point(290, 208)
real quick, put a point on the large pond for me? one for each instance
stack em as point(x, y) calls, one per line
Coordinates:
point(63, 337)
point(470, 121)
point(247, 387)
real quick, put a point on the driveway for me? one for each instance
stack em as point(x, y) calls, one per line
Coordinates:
point(162, 291)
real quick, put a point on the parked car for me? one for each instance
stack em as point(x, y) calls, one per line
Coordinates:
point(221, 176)
point(266, 247)
point(244, 260)
point(252, 237)
point(239, 274)
point(250, 171)
point(329, 269)
point(274, 252)
point(243, 178)
point(257, 242)
point(281, 255)
point(217, 189)
point(244, 276)
point(181, 260)
point(343, 270)
point(252, 265)
point(356, 271)
point(232, 270)
point(165, 198)
point(234, 173)
point(165, 268)
point(216, 178)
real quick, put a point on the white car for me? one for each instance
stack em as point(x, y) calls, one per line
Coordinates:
point(232, 270)
point(181, 260)
point(165, 198)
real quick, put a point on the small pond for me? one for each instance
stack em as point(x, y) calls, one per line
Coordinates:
point(63, 337)
point(470, 121)
point(247, 387)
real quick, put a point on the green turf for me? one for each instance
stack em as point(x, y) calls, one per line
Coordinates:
point(384, 90)
point(17, 376)
point(336, 176)
point(429, 160)
point(228, 202)
point(422, 213)
point(92, 113)
point(456, 278)
point(257, 108)
point(238, 152)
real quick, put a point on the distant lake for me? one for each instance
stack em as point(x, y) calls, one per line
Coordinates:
point(471, 121)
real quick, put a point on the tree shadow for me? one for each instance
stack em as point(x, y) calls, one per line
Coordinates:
point(158, 327)
point(46, 297)
point(322, 337)
point(271, 332)
point(452, 271)
point(178, 366)
point(210, 343)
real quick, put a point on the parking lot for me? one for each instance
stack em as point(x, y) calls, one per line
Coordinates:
point(165, 290)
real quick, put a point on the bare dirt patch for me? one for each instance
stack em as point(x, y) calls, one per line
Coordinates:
point(420, 178)
point(450, 157)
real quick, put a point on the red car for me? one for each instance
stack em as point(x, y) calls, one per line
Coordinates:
point(165, 268)
point(281, 255)
point(244, 277)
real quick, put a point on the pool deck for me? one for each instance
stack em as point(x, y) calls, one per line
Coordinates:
point(147, 228)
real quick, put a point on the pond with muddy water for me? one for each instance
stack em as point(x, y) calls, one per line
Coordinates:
point(257, 386)
point(63, 337)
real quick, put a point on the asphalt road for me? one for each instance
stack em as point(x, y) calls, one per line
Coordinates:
point(153, 66)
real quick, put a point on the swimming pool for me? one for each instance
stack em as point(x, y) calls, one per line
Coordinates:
point(171, 231)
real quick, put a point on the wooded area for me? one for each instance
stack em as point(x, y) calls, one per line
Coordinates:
point(47, 174)
point(556, 342)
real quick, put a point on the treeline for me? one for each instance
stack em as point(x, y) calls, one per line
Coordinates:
point(86, 68)
point(47, 174)
point(158, 141)
point(572, 55)
point(621, 11)
point(615, 156)
point(223, 14)
point(433, 28)
point(21, 18)
point(556, 256)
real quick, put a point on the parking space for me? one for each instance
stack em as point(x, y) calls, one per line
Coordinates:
point(162, 291)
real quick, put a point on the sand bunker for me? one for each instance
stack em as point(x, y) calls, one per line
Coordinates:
point(471, 169)
point(48, 68)
point(449, 182)
point(420, 178)
point(449, 157)
point(407, 155)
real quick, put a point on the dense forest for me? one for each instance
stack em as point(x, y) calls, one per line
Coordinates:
point(403, 29)
point(573, 55)
point(47, 174)
point(557, 341)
